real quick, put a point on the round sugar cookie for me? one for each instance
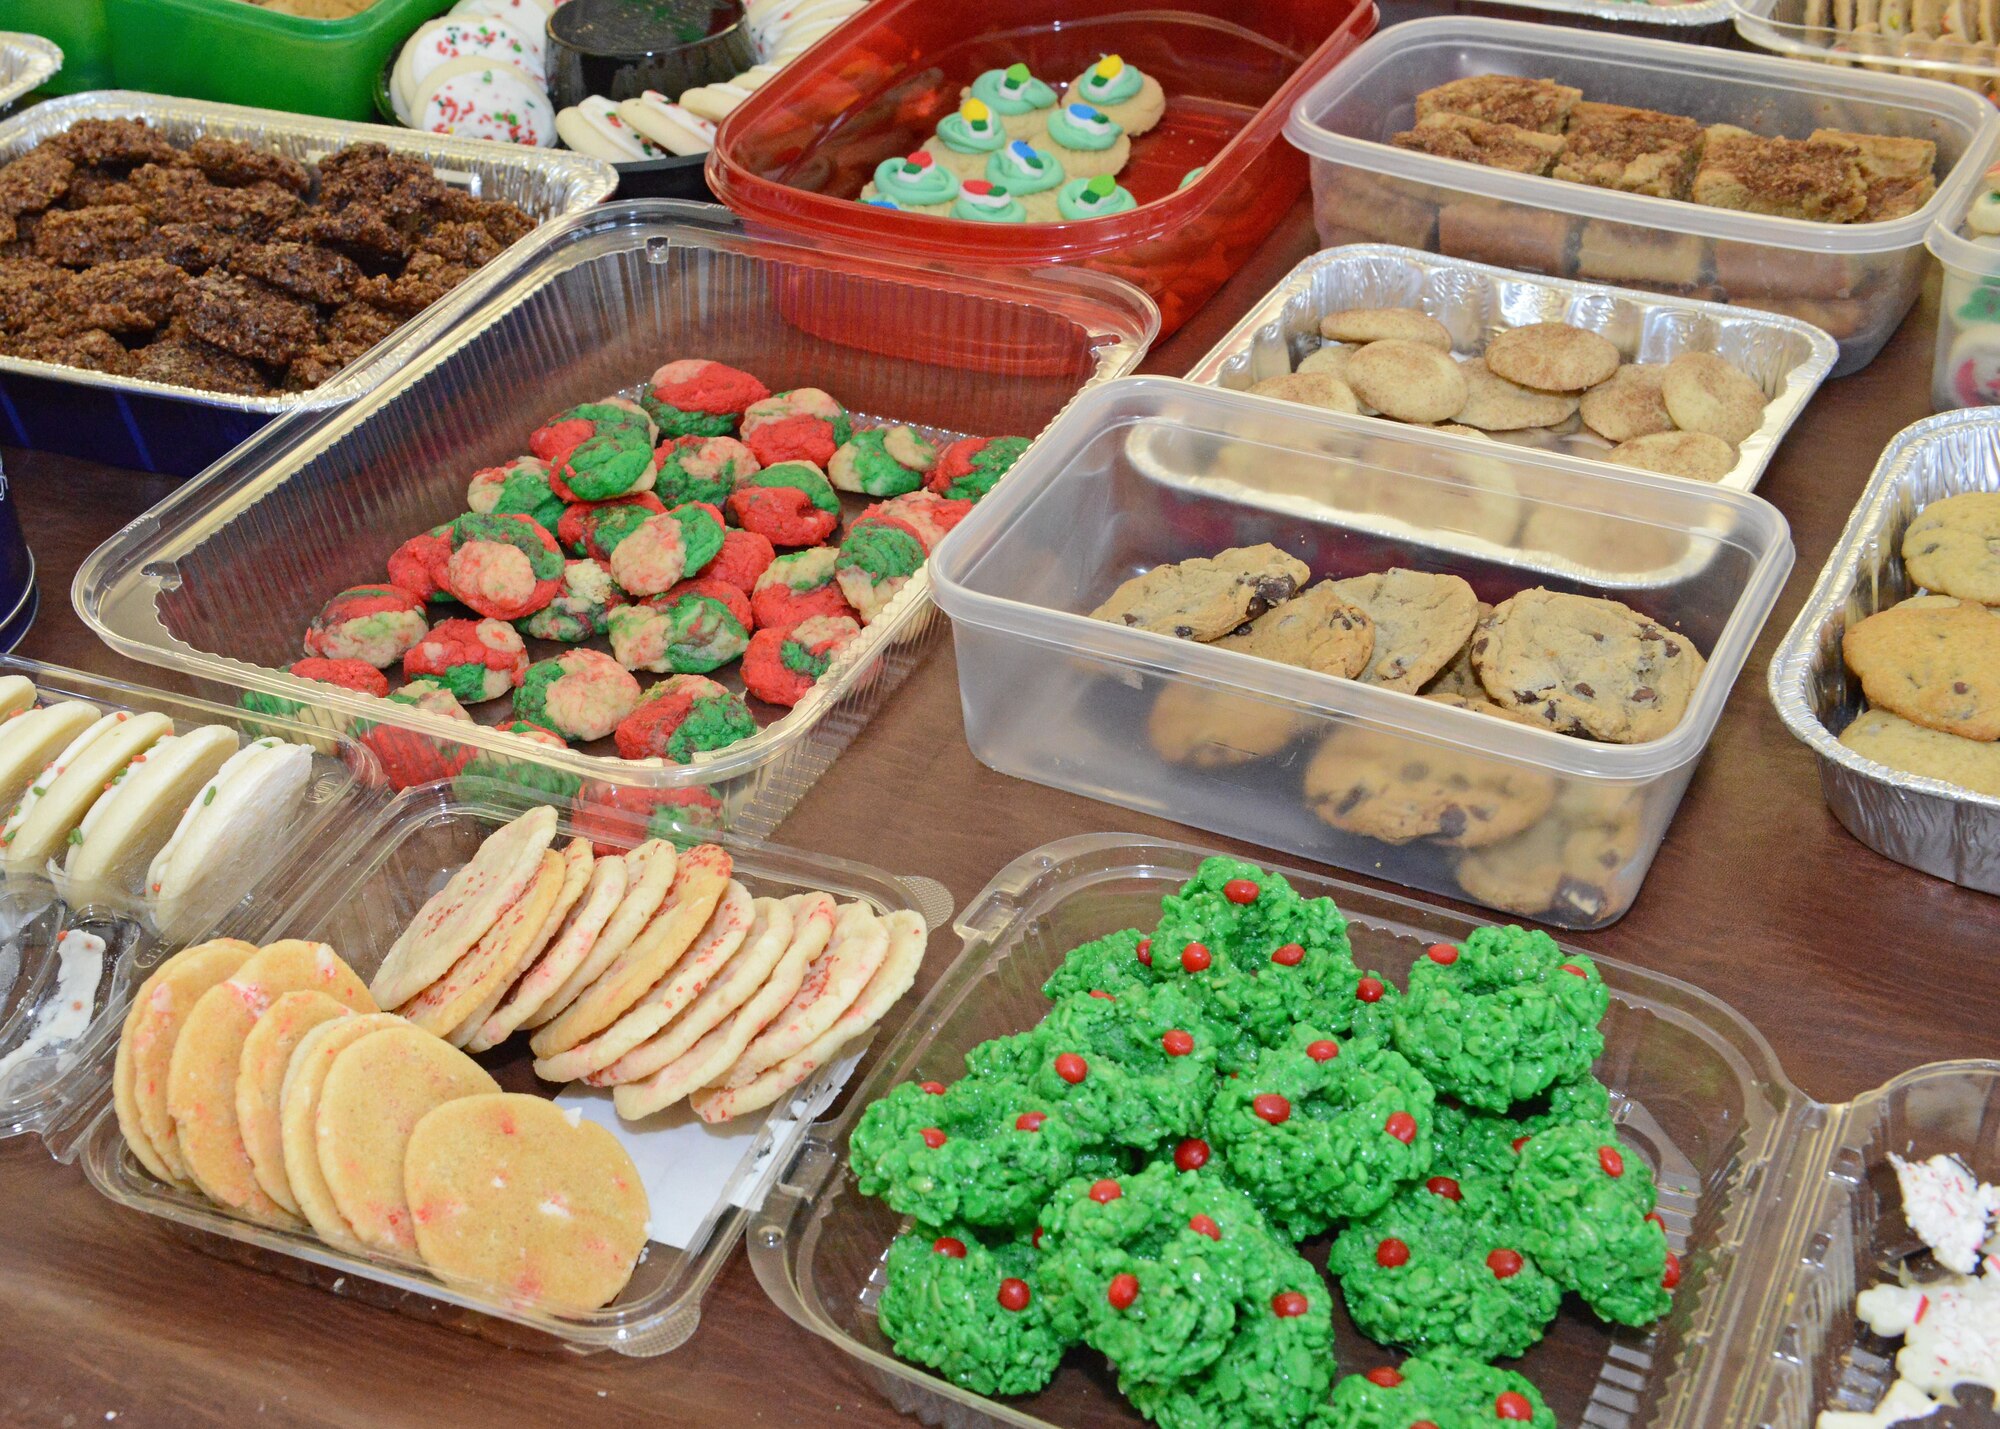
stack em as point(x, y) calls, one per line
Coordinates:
point(1706, 393)
point(298, 1115)
point(570, 945)
point(594, 126)
point(1310, 389)
point(446, 1003)
point(1553, 357)
point(112, 847)
point(1629, 404)
point(649, 876)
point(201, 1076)
point(1695, 455)
point(1409, 381)
point(477, 98)
point(1362, 325)
point(670, 126)
point(859, 944)
point(1493, 404)
point(260, 1083)
point(230, 830)
point(511, 1193)
point(374, 1095)
point(578, 864)
point(146, 1047)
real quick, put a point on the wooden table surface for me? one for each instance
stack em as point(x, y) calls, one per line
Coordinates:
point(1855, 968)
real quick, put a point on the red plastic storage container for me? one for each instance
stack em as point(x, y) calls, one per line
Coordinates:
point(798, 152)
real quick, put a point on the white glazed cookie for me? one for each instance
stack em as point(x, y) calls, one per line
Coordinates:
point(475, 98)
point(595, 127)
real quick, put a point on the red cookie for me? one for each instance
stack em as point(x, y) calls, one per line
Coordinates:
point(348, 674)
point(744, 557)
point(418, 564)
point(781, 665)
point(706, 584)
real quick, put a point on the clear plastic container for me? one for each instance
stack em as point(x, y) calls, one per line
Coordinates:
point(358, 899)
point(799, 150)
point(1965, 365)
point(1780, 27)
point(1151, 470)
point(1774, 1203)
point(219, 581)
point(1855, 281)
point(54, 1094)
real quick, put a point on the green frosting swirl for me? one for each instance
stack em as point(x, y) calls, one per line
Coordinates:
point(1096, 197)
point(1097, 90)
point(917, 184)
point(996, 205)
point(1021, 168)
point(1012, 91)
point(960, 136)
point(1078, 126)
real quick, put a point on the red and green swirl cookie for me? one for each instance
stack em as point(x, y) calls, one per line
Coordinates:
point(681, 716)
point(517, 488)
point(691, 634)
point(502, 566)
point(609, 465)
point(781, 665)
point(498, 779)
point(699, 398)
point(418, 564)
point(797, 587)
point(409, 757)
point(883, 461)
point(968, 468)
point(734, 600)
point(580, 694)
point(701, 469)
point(804, 424)
point(563, 433)
point(593, 528)
point(663, 550)
point(348, 674)
point(743, 559)
point(374, 624)
point(475, 659)
point(876, 561)
point(789, 503)
point(579, 609)
point(924, 514)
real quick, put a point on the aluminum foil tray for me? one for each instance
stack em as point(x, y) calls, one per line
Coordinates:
point(544, 182)
point(27, 62)
point(1928, 824)
point(1789, 358)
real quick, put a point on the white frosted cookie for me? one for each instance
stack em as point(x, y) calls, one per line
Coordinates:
point(31, 740)
point(229, 831)
point(667, 124)
point(456, 37)
point(63, 793)
point(17, 693)
point(714, 102)
point(476, 98)
point(113, 847)
point(595, 127)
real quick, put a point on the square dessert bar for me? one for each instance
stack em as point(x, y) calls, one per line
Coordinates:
point(1640, 151)
point(1899, 174)
point(1538, 104)
point(1786, 178)
point(1476, 141)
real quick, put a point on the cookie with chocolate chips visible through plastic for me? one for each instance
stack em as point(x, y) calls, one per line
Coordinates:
point(1588, 666)
point(1204, 599)
point(1383, 786)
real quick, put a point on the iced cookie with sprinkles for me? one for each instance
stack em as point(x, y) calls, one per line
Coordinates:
point(1585, 1207)
point(1029, 174)
point(502, 566)
point(882, 461)
point(982, 201)
point(580, 694)
point(924, 514)
point(691, 634)
point(569, 429)
point(1441, 1387)
point(356, 675)
point(476, 660)
point(418, 564)
point(681, 716)
point(803, 424)
point(1022, 102)
point(983, 1150)
point(580, 608)
point(517, 488)
point(917, 183)
point(696, 468)
point(790, 503)
point(743, 559)
point(695, 397)
point(798, 586)
point(975, 1314)
point(1130, 99)
point(594, 528)
point(1086, 142)
point(876, 561)
point(374, 624)
point(966, 139)
point(968, 468)
point(1096, 197)
point(779, 666)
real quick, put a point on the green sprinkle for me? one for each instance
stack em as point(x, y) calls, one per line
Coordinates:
point(76, 836)
point(209, 797)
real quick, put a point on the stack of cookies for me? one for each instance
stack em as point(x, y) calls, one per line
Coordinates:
point(1683, 418)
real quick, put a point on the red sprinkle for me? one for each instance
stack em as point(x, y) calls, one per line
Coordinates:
point(1146, 951)
point(1177, 1042)
point(1673, 1275)
point(1505, 1264)
point(1099, 992)
point(1402, 1126)
point(1287, 1304)
point(1195, 957)
point(1240, 890)
point(1323, 1050)
point(1271, 1107)
point(1289, 955)
point(1391, 1253)
point(1106, 1191)
point(936, 1089)
point(949, 1245)
point(1204, 1225)
point(1013, 1294)
point(1423, 1424)
point(1072, 1068)
point(1443, 954)
point(1192, 1154)
point(1030, 1121)
point(1654, 1217)
point(1370, 989)
point(1384, 1375)
point(1036, 1239)
point(1513, 1406)
point(1519, 1142)
point(1611, 1161)
point(1444, 1186)
point(933, 1138)
point(1573, 968)
point(1123, 1290)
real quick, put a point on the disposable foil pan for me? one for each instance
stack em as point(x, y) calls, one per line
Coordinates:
point(1787, 357)
point(27, 62)
point(545, 183)
point(1928, 824)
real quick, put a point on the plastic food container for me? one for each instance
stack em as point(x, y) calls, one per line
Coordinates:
point(1965, 367)
point(1152, 470)
point(1780, 26)
point(1775, 1204)
point(55, 1095)
point(1856, 281)
point(242, 54)
point(802, 147)
point(1788, 358)
point(358, 899)
point(596, 302)
point(156, 426)
point(1945, 831)
point(27, 62)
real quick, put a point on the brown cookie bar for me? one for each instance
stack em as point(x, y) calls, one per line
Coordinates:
point(1475, 141)
point(1704, 393)
point(1937, 667)
point(1789, 178)
point(1421, 619)
point(1506, 234)
point(1554, 357)
point(1641, 151)
point(1953, 547)
point(1628, 404)
point(1900, 174)
point(1315, 630)
point(1208, 729)
point(1537, 104)
point(1408, 381)
point(1587, 666)
point(1376, 324)
point(1640, 257)
point(1204, 598)
point(1374, 783)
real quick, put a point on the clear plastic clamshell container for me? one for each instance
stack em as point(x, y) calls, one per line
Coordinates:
point(358, 899)
point(1775, 1204)
point(1151, 470)
point(1855, 280)
point(51, 1086)
point(219, 581)
point(1965, 361)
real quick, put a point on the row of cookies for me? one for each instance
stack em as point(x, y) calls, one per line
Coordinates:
point(1963, 33)
point(654, 972)
point(268, 1080)
point(120, 806)
point(1687, 417)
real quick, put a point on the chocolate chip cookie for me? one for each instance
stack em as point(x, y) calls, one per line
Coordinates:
point(1207, 729)
point(1203, 598)
point(1936, 666)
point(1588, 666)
point(1315, 630)
point(1892, 740)
point(1953, 547)
point(1378, 784)
point(1420, 620)
point(1572, 866)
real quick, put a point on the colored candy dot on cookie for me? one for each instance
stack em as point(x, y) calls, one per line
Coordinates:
point(1391, 1253)
point(933, 1138)
point(1072, 1068)
point(1102, 995)
point(1518, 1142)
point(1122, 1291)
point(949, 1245)
point(1195, 957)
point(697, 397)
point(1177, 1043)
point(1323, 1050)
point(1240, 890)
point(1036, 1239)
point(1205, 1225)
point(348, 674)
point(1013, 1294)
point(374, 624)
point(1443, 954)
point(1673, 1274)
point(1289, 1304)
point(1653, 1217)
point(1105, 1192)
point(935, 1089)
point(1573, 968)
point(1030, 1121)
point(1369, 989)
point(1191, 1154)
point(1611, 1161)
point(1288, 955)
point(1144, 951)
point(1511, 1406)
point(1271, 1107)
point(1444, 1186)
point(1505, 1264)
point(1384, 1375)
point(1402, 1126)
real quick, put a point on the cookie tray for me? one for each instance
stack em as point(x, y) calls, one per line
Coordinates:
point(219, 580)
point(50, 1093)
point(1930, 825)
point(158, 426)
point(1780, 26)
point(27, 62)
point(1788, 358)
point(358, 899)
point(1774, 1203)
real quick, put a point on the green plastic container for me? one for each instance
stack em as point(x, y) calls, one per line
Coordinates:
point(237, 53)
point(78, 26)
